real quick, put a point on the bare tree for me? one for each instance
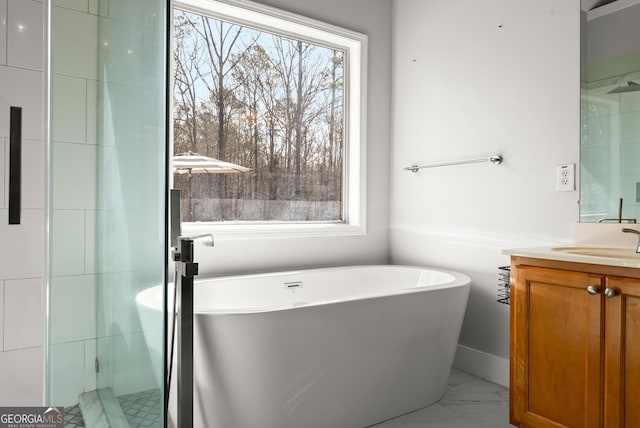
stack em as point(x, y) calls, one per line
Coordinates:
point(220, 41)
point(264, 101)
point(337, 62)
point(186, 59)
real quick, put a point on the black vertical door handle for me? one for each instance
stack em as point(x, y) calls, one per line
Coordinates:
point(15, 165)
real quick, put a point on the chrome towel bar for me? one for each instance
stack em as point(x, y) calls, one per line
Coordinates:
point(496, 160)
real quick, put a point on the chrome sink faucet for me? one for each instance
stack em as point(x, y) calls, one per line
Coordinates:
point(627, 230)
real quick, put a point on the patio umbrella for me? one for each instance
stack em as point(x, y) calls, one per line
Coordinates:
point(193, 163)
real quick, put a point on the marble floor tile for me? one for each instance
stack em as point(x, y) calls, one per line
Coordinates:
point(469, 402)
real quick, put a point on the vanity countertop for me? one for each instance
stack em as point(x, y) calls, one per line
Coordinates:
point(631, 260)
point(593, 243)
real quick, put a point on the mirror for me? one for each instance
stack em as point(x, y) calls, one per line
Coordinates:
point(610, 111)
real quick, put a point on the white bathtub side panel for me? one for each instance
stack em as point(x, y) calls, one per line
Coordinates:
point(348, 364)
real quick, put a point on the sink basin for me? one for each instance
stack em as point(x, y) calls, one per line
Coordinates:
point(608, 252)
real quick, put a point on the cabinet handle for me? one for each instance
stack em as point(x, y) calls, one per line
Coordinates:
point(593, 290)
point(610, 292)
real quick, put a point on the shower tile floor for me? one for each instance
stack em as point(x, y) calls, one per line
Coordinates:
point(469, 402)
point(142, 409)
point(73, 417)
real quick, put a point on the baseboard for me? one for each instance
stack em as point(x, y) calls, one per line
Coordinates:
point(486, 366)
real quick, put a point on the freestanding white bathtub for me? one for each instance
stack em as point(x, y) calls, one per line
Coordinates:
point(323, 348)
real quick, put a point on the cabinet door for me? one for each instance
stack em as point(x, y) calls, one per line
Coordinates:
point(622, 353)
point(556, 339)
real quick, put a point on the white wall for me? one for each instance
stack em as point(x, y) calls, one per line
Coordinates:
point(473, 79)
point(22, 246)
point(232, 256)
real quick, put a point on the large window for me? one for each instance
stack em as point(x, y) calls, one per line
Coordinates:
point(268, 118)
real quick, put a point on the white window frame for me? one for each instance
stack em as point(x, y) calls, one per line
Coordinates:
point(276, 21)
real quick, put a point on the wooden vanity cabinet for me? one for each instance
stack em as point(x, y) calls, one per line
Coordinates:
point(622, 353)
point(575, 344)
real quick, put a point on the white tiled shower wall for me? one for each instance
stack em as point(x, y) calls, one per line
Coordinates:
point(22, 246)
point(73, 281)
point(82, 286)
point(75, 342)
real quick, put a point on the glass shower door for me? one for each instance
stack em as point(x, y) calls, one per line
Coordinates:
point(107, 206)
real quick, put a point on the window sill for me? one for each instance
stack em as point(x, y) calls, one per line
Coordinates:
point(242, 230)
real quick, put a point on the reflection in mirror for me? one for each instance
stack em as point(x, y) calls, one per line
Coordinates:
point(610, 110)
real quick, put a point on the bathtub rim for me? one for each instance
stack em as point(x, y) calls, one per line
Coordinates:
point(460, 280)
